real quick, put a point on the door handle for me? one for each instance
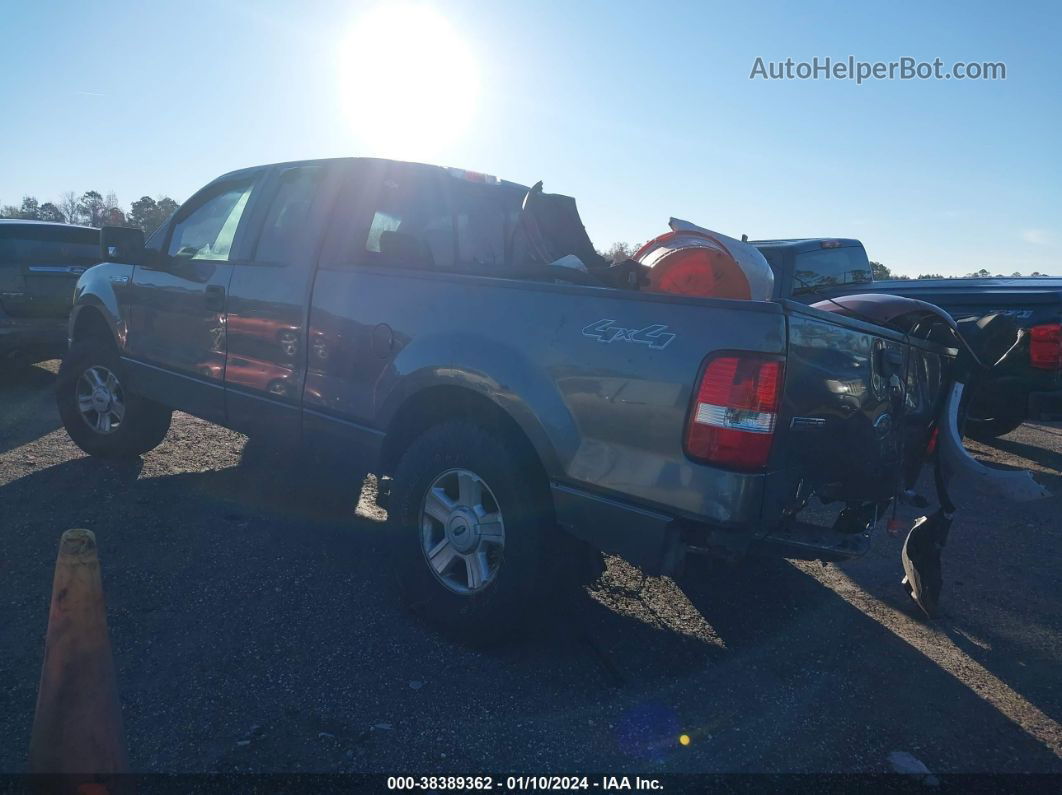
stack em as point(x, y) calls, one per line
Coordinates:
point(215, 297)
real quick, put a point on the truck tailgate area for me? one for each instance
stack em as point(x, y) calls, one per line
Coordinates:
point(860, 403)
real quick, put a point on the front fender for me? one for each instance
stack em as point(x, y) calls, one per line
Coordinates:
point(99, 289)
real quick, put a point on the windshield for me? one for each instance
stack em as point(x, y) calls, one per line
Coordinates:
point(826, 267)
point(24, 245)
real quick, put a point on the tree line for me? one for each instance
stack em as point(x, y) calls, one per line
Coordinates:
point(92, 208)
point(882, 272)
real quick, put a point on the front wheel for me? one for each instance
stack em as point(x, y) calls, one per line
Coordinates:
point(475, 531)
point(102, 417)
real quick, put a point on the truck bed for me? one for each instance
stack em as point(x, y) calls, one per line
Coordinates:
point(601, 382)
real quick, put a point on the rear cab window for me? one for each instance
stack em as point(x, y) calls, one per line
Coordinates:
point(403, 215)
point(392, 215)
point(827, 267)
point(485, 217)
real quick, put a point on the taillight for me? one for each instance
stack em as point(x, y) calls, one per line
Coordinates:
point(732, 420)
point(931, 445)
point(1045, 346)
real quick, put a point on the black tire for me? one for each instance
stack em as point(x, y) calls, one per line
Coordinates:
point(991, 428)
point(528, 566)
point(144, 423)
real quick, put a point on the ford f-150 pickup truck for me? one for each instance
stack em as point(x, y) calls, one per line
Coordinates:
point(1027, 385)
point(413, 321)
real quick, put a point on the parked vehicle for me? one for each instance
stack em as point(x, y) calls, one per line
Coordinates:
point(40, 263)
point(809, 269)
point(1026, 385)
point(426, 324)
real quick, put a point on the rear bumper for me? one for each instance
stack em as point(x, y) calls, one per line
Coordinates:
point(32, 339)
point(658, 541)
point(802, 541)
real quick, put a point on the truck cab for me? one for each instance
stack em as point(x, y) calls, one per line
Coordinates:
point(806, 267)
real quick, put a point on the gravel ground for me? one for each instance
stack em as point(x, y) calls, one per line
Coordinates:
point(253, 629)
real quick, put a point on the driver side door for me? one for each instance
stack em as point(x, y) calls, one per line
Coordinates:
point(176, 341)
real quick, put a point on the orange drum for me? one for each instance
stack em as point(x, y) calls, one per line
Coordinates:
point(690, 260)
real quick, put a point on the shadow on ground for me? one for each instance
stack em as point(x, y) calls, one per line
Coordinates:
point(255, 629)
point(29, 406)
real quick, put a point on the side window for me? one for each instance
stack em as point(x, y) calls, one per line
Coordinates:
point(281, 239)
point(403, 221)
point(207, 232)
point(48, 245)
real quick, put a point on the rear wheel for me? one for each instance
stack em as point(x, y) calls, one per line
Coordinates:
point(982, 426)
point(993, 409)
point(102, 417)
point(983, 429)
point(475, 530)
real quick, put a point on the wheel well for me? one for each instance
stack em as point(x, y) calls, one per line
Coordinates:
point(90, 323)
point(440, 404)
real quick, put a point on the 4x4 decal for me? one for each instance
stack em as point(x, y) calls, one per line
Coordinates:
point(655, 336)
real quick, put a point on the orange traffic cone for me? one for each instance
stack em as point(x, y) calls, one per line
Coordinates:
point(77, 728)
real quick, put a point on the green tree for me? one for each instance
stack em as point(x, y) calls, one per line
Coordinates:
point(30, 209)
point(167, 207)
point(880, 272)
point(931, 276)
point(143, 213)
point(148, 214)
point(90, 208)
point(49, 212)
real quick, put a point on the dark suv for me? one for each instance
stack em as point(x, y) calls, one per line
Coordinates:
point(40, 264)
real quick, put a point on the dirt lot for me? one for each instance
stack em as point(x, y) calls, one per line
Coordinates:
point(253, 629)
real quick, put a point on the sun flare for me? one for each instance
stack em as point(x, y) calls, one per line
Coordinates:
point(409, 82)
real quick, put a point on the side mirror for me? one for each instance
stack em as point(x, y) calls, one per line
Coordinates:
point(121, 244)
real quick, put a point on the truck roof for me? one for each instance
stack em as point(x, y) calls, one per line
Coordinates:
point(962, 284)
point(325, 160)
point(801, 244)
point(29, 222)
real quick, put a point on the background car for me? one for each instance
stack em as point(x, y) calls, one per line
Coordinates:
point(40, 263)
point(1026, 386)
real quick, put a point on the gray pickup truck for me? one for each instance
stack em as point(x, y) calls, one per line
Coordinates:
point(412, 321)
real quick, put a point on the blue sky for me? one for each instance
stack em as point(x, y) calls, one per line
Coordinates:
point(639, 110)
